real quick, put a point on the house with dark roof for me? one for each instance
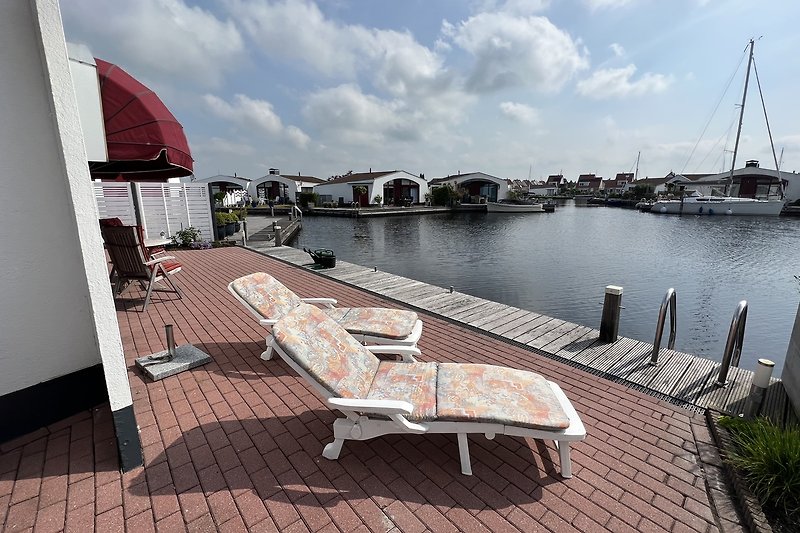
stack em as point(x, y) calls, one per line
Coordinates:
point(589, 183)
point(619, 184)
point(395, 187)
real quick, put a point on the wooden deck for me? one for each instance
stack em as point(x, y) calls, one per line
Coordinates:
point(680, 378)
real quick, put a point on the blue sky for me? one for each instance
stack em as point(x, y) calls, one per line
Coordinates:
point(436, 87)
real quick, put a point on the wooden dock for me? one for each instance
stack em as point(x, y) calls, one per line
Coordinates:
point(681, 378)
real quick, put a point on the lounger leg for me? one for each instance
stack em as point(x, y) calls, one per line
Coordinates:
point(150, 288)
point(333, 449)
point(563, 454)
point(463, 452)
point(266, 355)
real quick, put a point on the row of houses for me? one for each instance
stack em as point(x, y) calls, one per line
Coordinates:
point(398, 187)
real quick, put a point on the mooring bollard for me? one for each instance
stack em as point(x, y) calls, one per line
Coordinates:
point(278, 236)
point(609, 323)
point(451, 289)
point(758, 389)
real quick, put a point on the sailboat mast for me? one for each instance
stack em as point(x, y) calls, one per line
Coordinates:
point(741, 114)
point(636, 174)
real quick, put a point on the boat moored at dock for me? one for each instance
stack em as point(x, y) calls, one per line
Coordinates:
point(508, 207)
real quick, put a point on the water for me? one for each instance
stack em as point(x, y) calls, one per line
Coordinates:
point(559, 264)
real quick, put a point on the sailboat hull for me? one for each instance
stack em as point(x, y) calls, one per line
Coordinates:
point(717, 205)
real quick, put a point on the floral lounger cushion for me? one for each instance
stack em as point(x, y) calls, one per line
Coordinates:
point(273, 300)
point(443, 391)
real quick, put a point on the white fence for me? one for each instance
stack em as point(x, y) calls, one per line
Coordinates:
point(163, 207)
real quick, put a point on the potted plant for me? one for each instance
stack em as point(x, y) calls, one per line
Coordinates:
point(221, 220)
point(219, 197)
point(230, 223)
point(378, 199)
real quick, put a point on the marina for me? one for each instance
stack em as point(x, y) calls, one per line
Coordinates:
point(680, 378)
point(558, 265)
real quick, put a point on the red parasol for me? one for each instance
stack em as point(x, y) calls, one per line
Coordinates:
point(145, 141)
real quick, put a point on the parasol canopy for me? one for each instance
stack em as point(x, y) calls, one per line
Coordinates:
point(145, 141)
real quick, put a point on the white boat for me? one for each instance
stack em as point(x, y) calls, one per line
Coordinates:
point(502, 207)
point(697, 204)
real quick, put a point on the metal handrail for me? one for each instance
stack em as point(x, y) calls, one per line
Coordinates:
point(733, 347)
point(297, 212)
point(670, 301)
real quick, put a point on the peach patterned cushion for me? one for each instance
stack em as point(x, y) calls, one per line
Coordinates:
point(376, 321)
point(410, 382)
point(487, 393)
point(326, 351)
point(271, 298)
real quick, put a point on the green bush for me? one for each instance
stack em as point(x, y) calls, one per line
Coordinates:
point(443, 195)
point(769, 458)
point(186, 236)
point(308, 198)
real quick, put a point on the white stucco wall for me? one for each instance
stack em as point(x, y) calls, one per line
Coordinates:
point(791, 367)
point(57, 311)
point(345, 190)
point(374, 187)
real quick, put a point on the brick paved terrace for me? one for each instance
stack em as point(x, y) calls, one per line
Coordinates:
point(236, 444)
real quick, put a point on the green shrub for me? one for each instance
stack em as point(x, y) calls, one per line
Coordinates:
point(443, 195)
point(221, 218)
point(186, 236)
point(769, 458)
point(308, 198)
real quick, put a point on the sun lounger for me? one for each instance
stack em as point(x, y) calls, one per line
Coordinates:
point(386, 397)
point(270, 300)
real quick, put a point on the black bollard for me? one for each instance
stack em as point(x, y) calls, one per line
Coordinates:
point(609, 323)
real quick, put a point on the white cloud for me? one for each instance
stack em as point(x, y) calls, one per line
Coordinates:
point(617, 48)
point(520, 112)
point(617, 83)
point(607, 4)
point(516, 51)
point(255, 116)
point(218, 145)
point(159, 39)
point(517, 7)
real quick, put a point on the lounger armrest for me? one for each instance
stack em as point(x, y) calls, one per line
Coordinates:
point(378, 407)
point(330, 302)
point(159, 260)
point(269, 322)
point(408, 353)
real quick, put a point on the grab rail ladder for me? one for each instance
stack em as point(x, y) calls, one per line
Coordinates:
point(669, 301)
point(733, 347)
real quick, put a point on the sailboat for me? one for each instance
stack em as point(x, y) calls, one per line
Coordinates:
point(700, 204)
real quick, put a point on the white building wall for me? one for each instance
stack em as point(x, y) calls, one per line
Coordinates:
point(345, 190)
point(57, 310)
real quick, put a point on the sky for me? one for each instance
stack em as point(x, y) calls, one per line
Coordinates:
point(516, 88)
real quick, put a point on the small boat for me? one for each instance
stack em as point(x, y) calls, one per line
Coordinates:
point(697, 204)
point(508, 207)
point(549, 207)
point(644, 206)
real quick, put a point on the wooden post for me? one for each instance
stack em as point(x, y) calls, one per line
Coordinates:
point(609, 323)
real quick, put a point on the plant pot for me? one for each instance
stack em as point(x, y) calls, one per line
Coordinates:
point(230, 229)
point(220, 231)
point(237, 227)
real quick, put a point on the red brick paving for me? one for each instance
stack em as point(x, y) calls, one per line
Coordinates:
point(235, 445)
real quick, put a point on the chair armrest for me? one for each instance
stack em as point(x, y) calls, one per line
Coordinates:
point(378, 407)
point(329, 302)
point(159, 259)
point(407, 353)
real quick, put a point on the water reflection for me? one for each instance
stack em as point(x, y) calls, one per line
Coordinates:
point(558, 264)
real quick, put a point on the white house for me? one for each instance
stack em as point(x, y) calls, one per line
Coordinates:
point(395, 187)
point(477, 185)
point(275, 184)
point(60, 345)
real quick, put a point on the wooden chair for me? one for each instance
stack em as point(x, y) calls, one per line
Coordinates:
point(131, 262)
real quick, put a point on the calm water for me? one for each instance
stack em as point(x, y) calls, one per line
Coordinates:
point(559, 264)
